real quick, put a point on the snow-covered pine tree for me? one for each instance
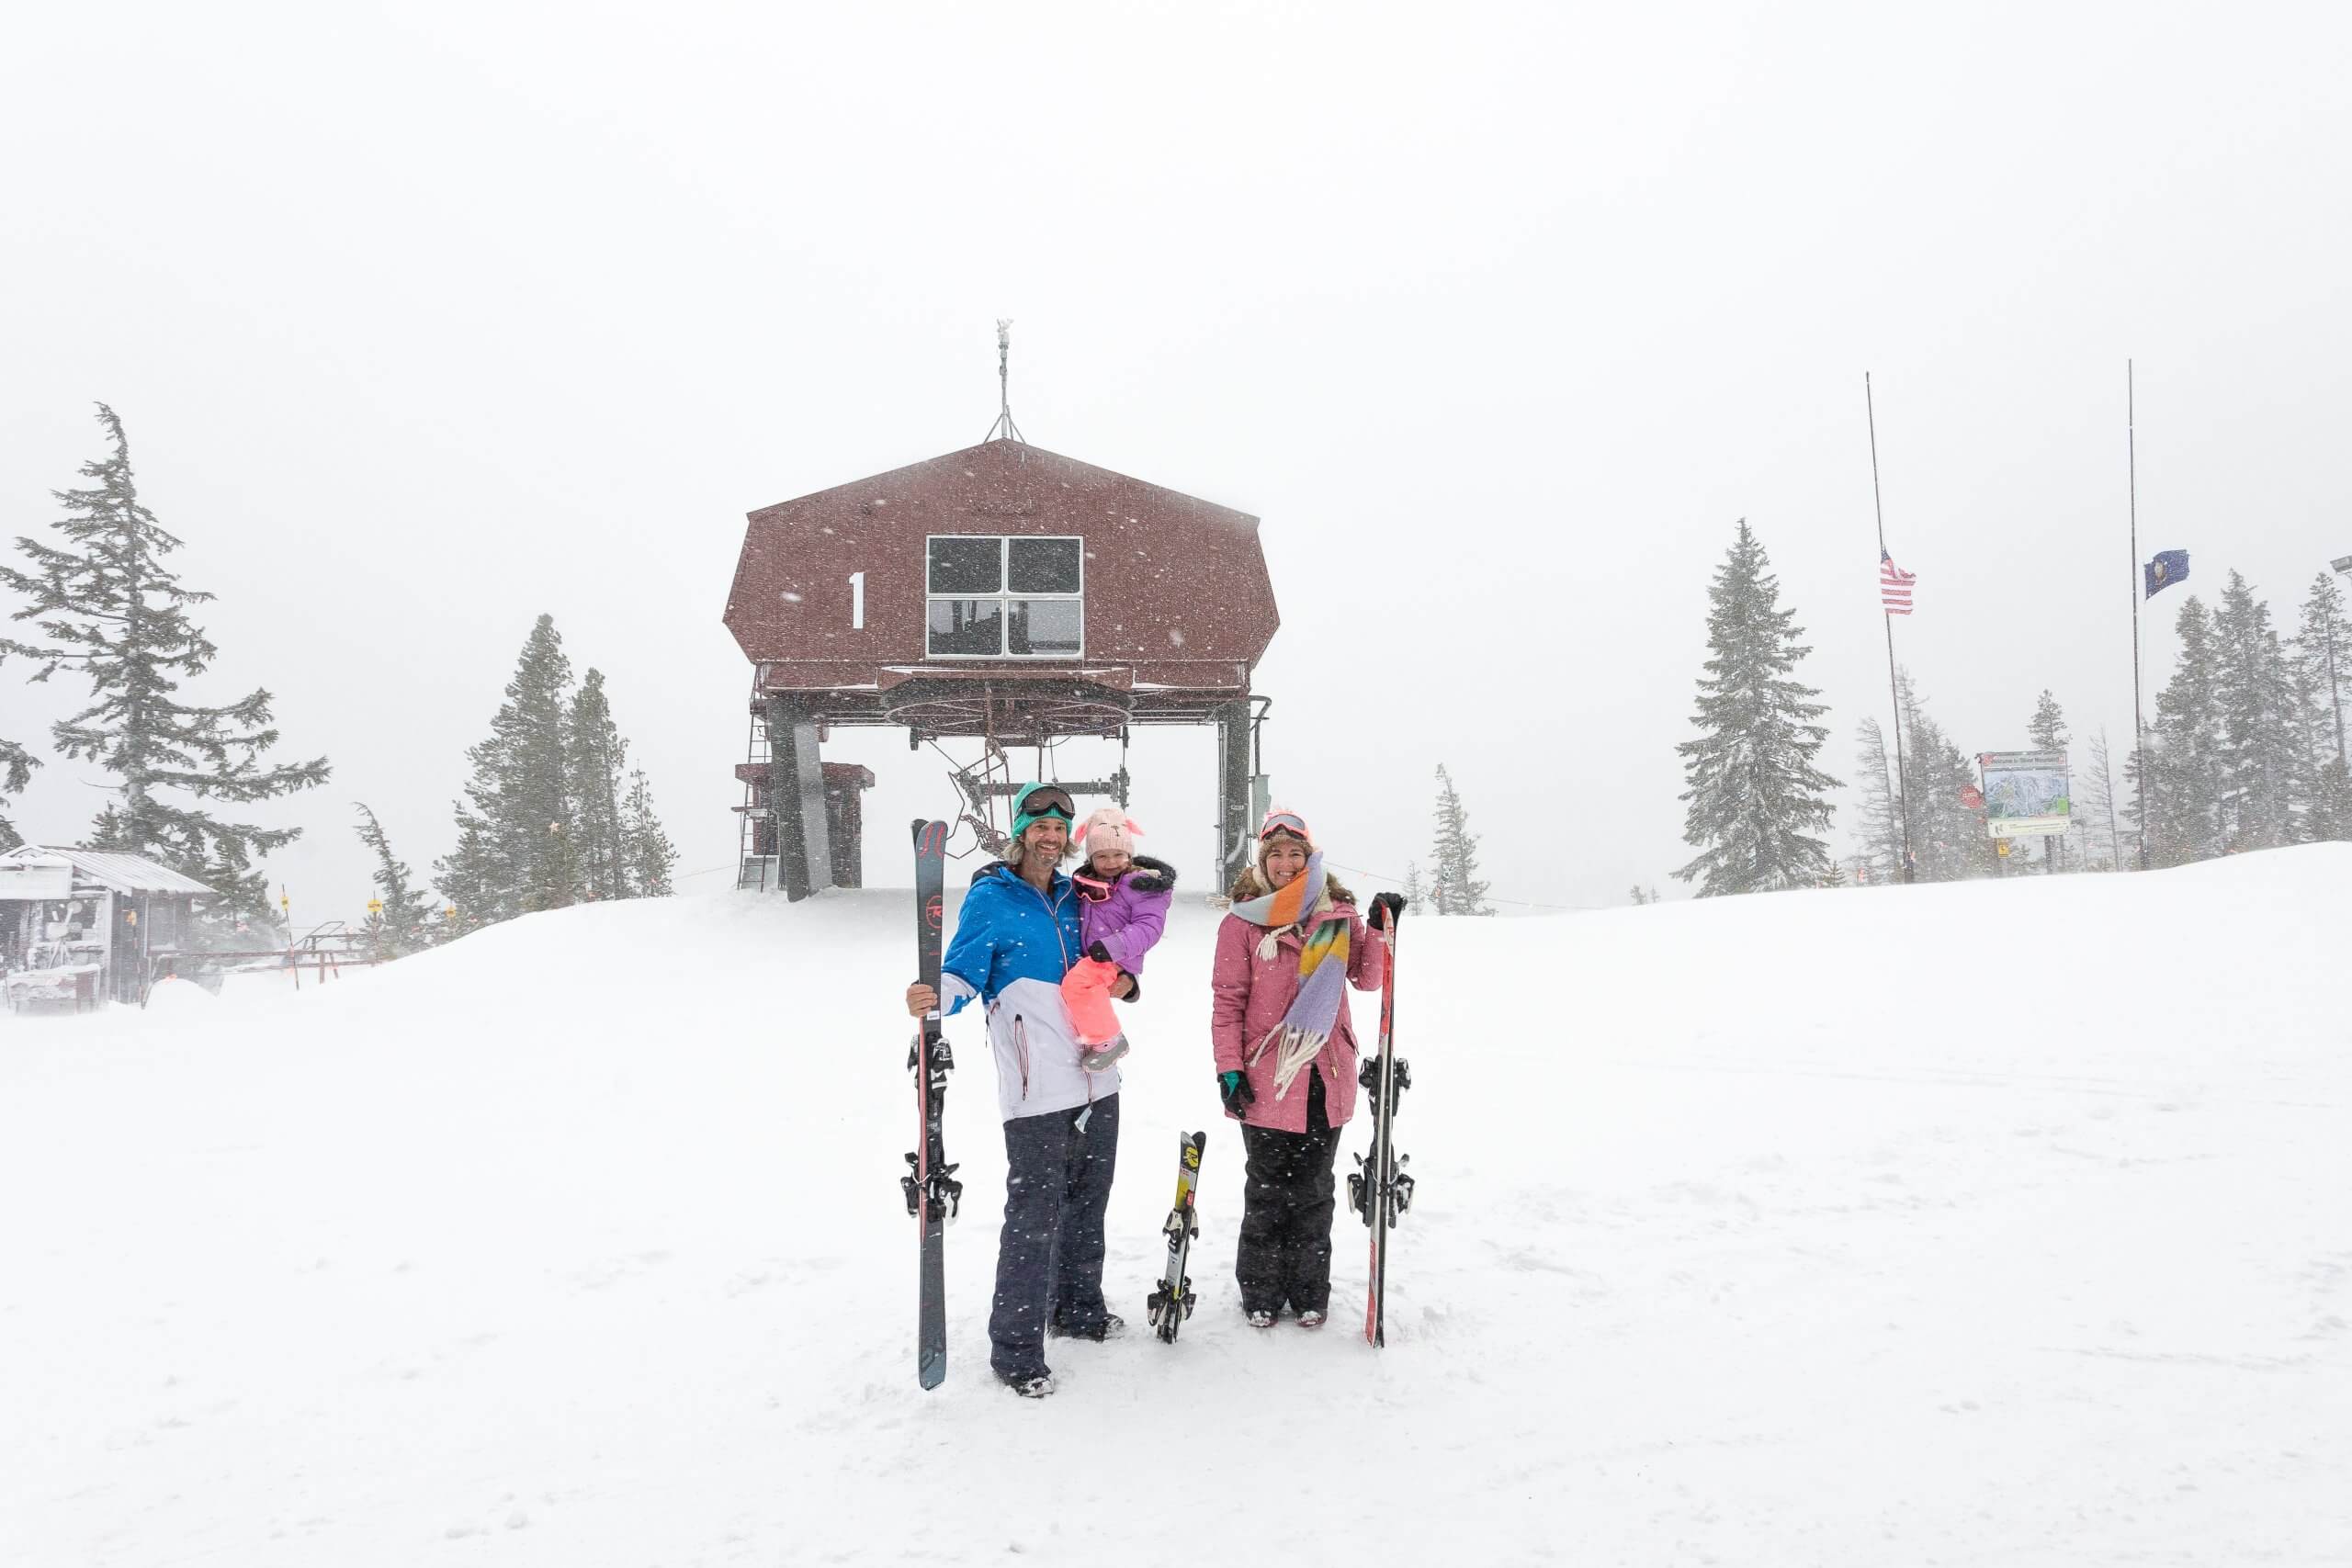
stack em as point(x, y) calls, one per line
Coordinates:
point(2185, 749)
point(513, 852)
point(121, 618)
point(1755, 796)
point(1880, 832)
point(2047, 731)
point(2264, 739)
point(1415, 892)
point(596, 760)
point(2047, 727)
point(2323, 667)
point(2095, 810)
point(2329, 815)
point(644, 846)
point(17, 763)
point(1454, 886)
point(16, 766)
point(2324, 653)
point(1947, 837)
point(1640, 897)
point(410, 918)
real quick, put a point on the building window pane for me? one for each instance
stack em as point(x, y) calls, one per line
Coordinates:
point(967, 566)
point(1047, 628)
point(967, 626)
point(1044, 566)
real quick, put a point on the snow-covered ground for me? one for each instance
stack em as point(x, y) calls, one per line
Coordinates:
point(1995, 1224)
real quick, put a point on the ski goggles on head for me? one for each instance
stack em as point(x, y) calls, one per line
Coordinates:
point(1289, 822)
point(1049, 800)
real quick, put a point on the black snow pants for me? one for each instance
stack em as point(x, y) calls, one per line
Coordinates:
point(1049, 1257)
point(1286, 1207)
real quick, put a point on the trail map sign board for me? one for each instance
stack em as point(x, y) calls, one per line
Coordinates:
point(2025, 793)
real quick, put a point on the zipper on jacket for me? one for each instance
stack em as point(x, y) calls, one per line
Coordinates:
point(1054, 918)
point(1020, 1051)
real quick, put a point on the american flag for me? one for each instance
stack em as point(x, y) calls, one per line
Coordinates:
point(1894, 585)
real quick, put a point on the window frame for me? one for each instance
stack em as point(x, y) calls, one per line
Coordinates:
point(1004, 597)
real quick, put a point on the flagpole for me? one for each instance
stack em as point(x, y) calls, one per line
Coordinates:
point(2138, 726)
point(1902, 791)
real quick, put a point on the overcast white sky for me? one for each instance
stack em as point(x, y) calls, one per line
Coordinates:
point(427, 319)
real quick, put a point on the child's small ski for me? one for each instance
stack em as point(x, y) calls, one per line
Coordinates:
point(1172, 1303)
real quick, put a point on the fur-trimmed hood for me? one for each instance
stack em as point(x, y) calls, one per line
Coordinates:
point(1148, 874)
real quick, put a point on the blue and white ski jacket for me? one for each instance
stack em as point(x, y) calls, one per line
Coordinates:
point(1012, 946)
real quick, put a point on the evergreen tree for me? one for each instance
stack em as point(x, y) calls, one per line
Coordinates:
point(1640, 897)
point(595, 761)
point(2047, 731)
point(1948, 839)
point(17, 763)
point(120, 617)
point(2095, 810)
point(513, 852)
point(1414, 891)
point(645, 847)
point(2324, 652)
point(2047, 727)
point(1882, 822)
point(1454, 886)
point(16, 766)
point(2185, 752)
point(1754, 792)
point(2330, 815)
point(2264, 747)
point(410, 919)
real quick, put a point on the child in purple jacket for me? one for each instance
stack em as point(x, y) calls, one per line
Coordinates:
point(1123, 900)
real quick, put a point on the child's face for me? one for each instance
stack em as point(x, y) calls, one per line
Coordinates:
point(1110, 863)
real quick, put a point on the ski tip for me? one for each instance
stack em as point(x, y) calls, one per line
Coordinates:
point(932, 1372)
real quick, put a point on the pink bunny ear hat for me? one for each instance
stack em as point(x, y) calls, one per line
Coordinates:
point(1111, 828)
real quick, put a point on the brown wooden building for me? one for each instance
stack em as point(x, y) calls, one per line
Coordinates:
point(1001, 591)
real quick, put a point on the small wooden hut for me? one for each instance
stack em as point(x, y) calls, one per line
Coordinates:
point(67, 913)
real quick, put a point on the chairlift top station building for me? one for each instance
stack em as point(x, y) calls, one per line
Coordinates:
point(1002, 593)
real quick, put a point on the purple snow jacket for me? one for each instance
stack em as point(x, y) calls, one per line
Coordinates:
point(1128, 921)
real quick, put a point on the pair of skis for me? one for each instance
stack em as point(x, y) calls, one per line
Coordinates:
point(1379, 1189)
point(932, 1190)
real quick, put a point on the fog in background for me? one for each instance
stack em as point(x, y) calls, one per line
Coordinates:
point(425, 319)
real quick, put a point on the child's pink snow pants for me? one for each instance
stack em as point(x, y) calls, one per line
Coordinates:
point(1086, 989)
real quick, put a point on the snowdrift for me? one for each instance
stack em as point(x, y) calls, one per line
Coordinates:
point(1996, 1223)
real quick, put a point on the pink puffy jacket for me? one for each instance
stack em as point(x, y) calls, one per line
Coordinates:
point(1251, 995)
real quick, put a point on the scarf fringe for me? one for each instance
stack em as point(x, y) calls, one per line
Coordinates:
point(1294, 1048)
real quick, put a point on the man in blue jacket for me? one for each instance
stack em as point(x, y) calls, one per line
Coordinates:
point(1016, 938)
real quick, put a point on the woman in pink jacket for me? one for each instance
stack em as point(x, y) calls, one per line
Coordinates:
point(1286, 1057)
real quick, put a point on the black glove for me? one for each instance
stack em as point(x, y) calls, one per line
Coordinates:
point(1235, 1090)
point(1100, 954)
point(1386, 908)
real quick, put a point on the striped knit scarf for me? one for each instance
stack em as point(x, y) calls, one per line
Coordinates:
point(1304, 1030)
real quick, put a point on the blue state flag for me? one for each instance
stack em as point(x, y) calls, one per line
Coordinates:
point(2168, 567)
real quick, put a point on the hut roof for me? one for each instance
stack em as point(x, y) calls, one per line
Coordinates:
point(122, 872)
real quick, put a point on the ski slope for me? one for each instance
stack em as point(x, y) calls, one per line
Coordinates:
point(1993, 1224)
